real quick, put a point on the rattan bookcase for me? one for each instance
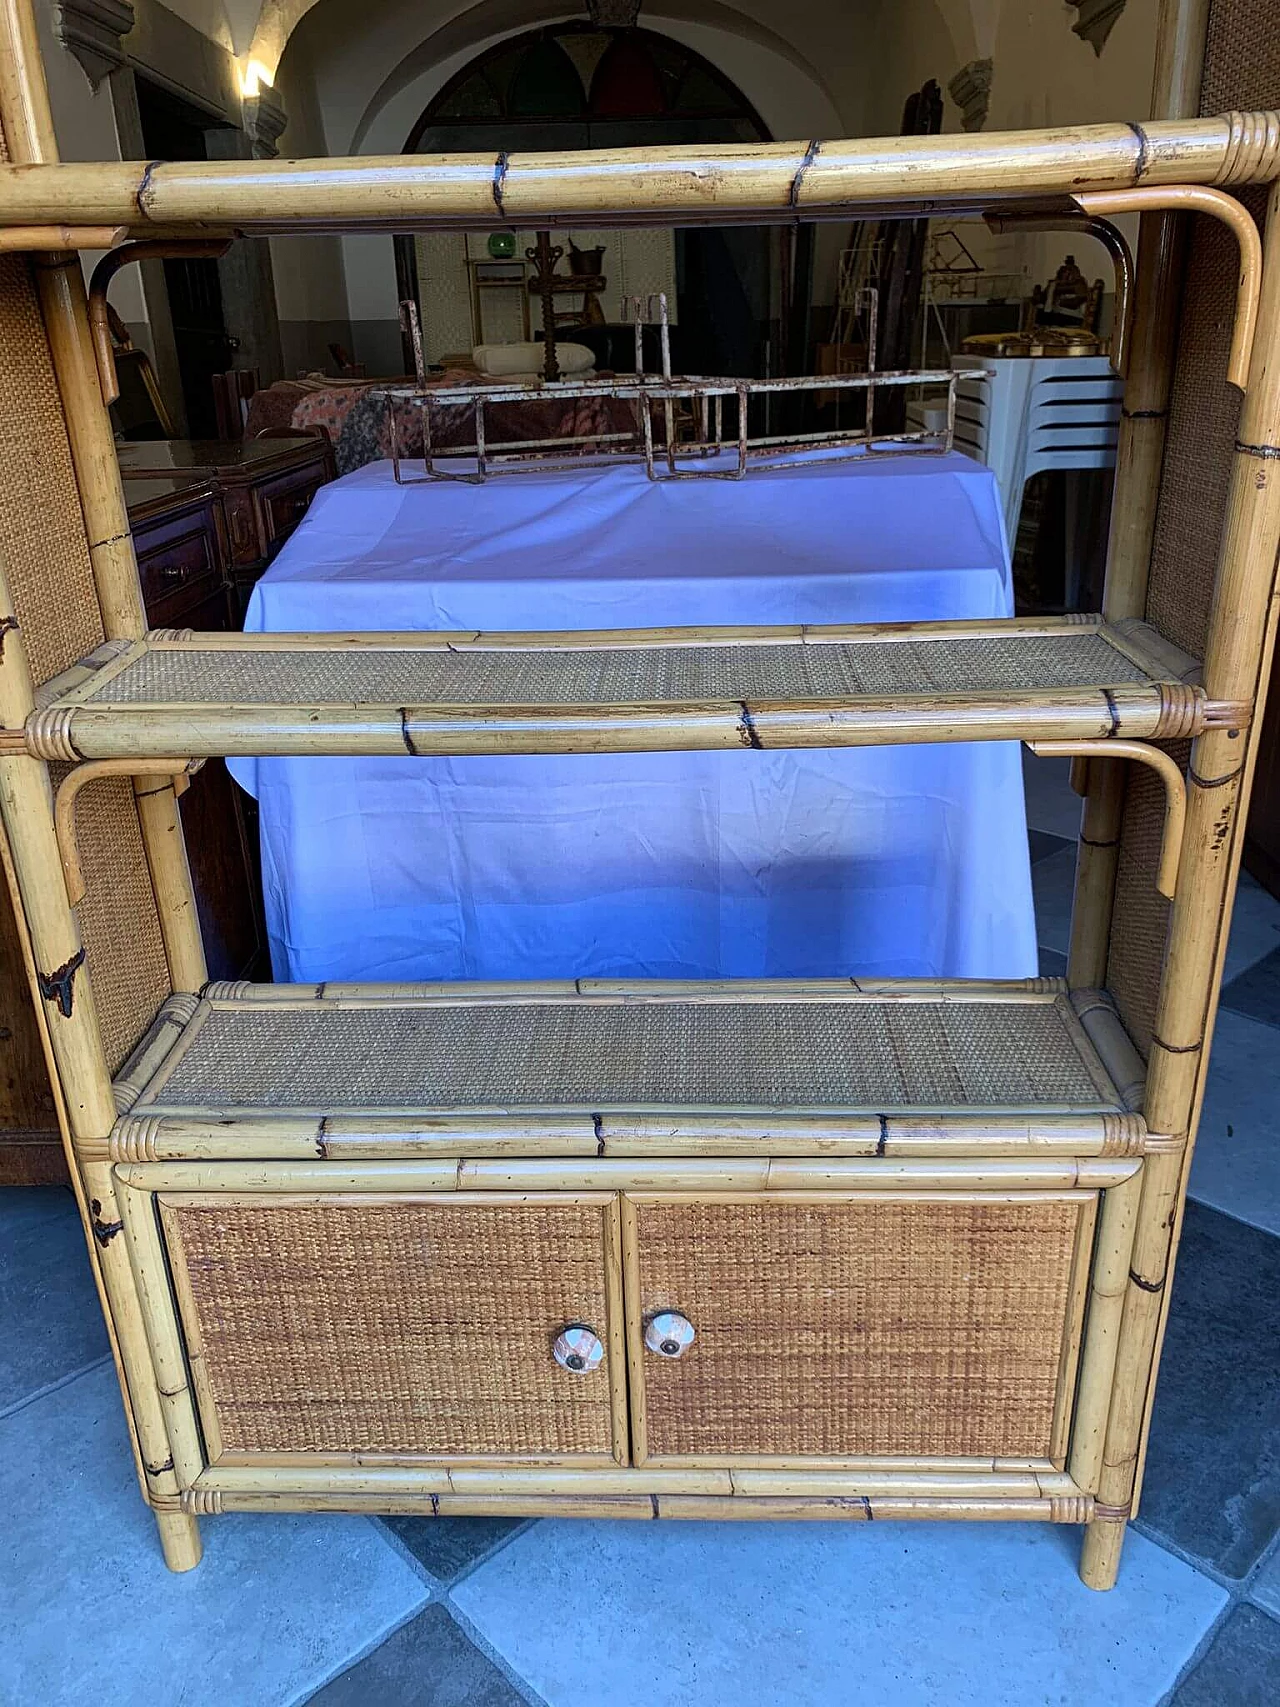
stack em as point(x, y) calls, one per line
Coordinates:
point(839, 1249)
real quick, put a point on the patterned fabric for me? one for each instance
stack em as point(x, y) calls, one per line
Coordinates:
point(356, 421)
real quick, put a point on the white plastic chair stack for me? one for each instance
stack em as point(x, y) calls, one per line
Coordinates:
point(1037, 412)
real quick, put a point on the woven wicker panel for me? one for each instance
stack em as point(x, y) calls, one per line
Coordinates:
point(118, 920)
point(1242, 73)
point(950, 1054)
point(46, 563)
point(1140, 922)
point(868, 1327)
point(618, 676)
point(42, 538)
point(395, 1326)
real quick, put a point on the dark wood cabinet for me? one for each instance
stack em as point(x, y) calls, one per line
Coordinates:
point(207, 518)
point(262, 488)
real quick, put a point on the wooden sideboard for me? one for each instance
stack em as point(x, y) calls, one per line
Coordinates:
point(207, 518)
point(262, 488)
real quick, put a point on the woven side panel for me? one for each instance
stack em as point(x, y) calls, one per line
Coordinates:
point(1140, 922)
point(858, 1328)
point(118, 920)
point(396, 1326)
point(46, 562)
point(42, 539)
point(1242, 72)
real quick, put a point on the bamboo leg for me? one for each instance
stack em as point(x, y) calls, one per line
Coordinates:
point(180, 1538)
point(68, 1010)
point(70, 1021)
point(1221, 762)
point(1100, 1553)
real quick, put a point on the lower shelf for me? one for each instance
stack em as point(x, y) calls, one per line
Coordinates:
point(600, 1068)
point(821, 1249)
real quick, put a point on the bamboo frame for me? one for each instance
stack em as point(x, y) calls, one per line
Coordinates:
point(767, 181)
point(1180, 39)
point(156, 249)
point(1240, 622)
point(28, 126)
point(1175, 793)
point(1137, 1161)
point(80, 719)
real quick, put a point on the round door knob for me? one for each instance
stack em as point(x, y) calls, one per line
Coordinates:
point(669, 1334)
point(577, 1349)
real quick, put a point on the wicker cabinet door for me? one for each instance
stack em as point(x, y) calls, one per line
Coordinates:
point(326, 1327)
point(868, 1325)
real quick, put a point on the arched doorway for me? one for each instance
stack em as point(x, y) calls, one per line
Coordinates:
point(573, 86)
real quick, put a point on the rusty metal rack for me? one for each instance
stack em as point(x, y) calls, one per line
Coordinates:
point(685, 426)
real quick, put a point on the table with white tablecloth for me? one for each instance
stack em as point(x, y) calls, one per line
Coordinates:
point(897, 861)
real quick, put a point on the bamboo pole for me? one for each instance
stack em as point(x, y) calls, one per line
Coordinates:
point(1057, 1508)
point(1107, 1286)
point(1162, 242)
point(39, 239)
point(68, 1013)
point(168, 1357)
point(705, 184)
point(28, 126)
point(27, 808)
point(794, 1480)
point(125, 731)
point(174, 1138)
point(1201, 909)
point(537, 1177)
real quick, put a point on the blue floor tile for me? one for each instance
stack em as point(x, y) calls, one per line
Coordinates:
point(447, 1546)
point(428, 1663)
point(1241, 1667)
point(50, 1319)
point(1212, 1483)
point(1236, 1166)
point(833, 1615)
point(279, 1605)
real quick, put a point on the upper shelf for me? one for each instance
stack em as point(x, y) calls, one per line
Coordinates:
point(203, 695)
point(694, 184)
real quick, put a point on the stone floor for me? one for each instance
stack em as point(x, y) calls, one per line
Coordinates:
point(347, 1611)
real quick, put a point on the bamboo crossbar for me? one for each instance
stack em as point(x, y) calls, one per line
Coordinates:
point(229, 1477)
point(643, 1507)
point(778, 182)
point(623, 691)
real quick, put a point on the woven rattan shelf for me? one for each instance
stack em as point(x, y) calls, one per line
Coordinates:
point(623, 690)
point(889, 1068)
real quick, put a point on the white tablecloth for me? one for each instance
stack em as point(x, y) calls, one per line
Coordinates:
point(898, 861)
